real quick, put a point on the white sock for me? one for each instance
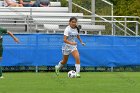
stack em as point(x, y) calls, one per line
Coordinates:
point(77, 66)
point(60, 65)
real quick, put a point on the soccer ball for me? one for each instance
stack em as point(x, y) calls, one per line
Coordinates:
point(72, 74)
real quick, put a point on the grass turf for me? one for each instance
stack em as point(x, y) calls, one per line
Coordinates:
point(90, 82)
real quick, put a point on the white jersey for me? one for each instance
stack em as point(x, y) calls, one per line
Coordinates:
point(71, 36)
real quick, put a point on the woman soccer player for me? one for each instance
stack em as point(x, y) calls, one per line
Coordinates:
point(4, 31)
point(70, 46)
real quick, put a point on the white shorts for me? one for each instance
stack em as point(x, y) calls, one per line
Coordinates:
point(67, 50)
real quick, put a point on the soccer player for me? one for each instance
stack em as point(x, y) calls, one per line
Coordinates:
point(4, 31)
point(70, 46)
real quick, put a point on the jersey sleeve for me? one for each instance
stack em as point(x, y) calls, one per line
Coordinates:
point(66, 32)
point(3, 30)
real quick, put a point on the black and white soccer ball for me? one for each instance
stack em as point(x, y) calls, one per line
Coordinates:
point(72, 74)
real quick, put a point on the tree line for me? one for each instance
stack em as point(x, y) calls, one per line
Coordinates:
point(121, 7)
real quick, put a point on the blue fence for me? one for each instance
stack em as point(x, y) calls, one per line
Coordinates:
point(45, 50)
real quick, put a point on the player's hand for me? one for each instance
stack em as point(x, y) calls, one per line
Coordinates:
point(83, 44)
point(16, 40)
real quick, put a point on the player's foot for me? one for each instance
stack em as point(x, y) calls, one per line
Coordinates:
point(78, 75)
point(1, 77)
point(56, 70)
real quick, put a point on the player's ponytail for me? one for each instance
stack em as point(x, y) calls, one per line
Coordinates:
point(78, 28)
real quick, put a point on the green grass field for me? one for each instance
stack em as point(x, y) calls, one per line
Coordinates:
point(90, 82)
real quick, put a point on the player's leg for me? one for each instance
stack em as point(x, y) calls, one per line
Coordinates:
point(75, 54)
point(66, 51)
point(61, 64)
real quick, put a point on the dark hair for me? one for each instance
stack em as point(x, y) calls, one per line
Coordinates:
point(74, 18)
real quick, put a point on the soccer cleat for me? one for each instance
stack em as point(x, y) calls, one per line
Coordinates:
point(78, 75)
point(56, 70)
point(1, 77)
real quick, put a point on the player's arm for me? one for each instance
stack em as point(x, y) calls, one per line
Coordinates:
point(11, 34)
point(78, 36)
point(68, 42)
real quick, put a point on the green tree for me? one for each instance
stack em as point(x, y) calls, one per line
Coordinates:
point(126, 7)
